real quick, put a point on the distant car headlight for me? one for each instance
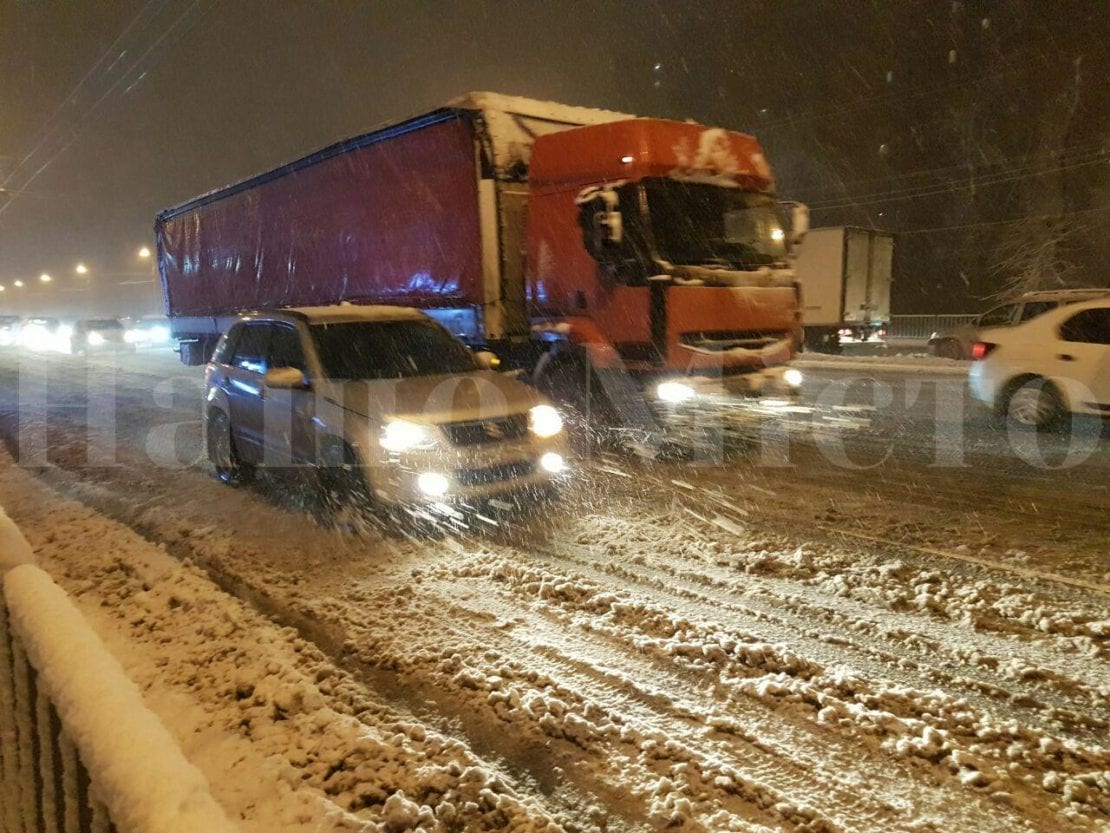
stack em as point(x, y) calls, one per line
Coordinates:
point(675, 392)
point(400, 435)
point(95, 339)
point(545, 421)
point(793, 377)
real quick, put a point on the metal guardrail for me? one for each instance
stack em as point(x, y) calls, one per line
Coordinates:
point(44, 785)
point(923, 326)
point(79, 751)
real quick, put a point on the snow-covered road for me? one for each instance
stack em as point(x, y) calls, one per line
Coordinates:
point(771, 643)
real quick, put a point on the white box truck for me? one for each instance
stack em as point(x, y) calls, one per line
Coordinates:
point(845, 274)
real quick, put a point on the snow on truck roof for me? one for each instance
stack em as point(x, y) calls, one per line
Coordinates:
point(512, 123)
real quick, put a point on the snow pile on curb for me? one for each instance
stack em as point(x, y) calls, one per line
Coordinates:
point(136, 767)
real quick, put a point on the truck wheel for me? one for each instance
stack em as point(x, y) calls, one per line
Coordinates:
point(223, 454)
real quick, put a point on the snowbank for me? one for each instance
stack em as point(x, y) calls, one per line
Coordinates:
point(137, 769)
point(914, 363)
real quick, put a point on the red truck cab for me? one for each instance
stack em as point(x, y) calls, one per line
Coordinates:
point(659, 245)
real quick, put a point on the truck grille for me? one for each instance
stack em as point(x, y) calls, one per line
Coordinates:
point(495, 474)
point(479, 432)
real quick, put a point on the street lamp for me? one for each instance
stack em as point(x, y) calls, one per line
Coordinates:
point(45, 278)
point(81, 269)
point(1, 287)
point(144, 252)
point(18, 283)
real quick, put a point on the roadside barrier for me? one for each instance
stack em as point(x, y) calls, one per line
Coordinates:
point(923, 326)
point(79, 750)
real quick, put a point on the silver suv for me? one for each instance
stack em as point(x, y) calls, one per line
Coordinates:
point(381, 400)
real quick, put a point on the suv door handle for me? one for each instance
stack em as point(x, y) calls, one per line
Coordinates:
point(1066, 357)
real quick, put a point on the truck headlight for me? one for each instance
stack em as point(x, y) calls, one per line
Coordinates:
point(545, 421)
point(793, 377)
point(674, 392)
point(400, 435)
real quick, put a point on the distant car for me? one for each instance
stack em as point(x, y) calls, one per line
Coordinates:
point(9, 330)
point(97, 335)
point(1038, 372)
point(957, 343)
point(381, 401)
point(152, 331)
point(44, 335)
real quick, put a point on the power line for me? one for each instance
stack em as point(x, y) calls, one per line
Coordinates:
point(75, 129)
point(1010, 222)
point(1001, 178)
point(47, 128)
point(1024, 163)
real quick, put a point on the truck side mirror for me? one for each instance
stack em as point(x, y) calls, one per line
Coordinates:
point(797, 216)
point(610, 226)
point(602, 222)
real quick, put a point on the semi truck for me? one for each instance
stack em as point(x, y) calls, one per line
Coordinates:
point(845, 273)
point(591, 250)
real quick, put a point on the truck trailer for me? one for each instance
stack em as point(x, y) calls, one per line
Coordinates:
point(576, 243)
point(845, 273)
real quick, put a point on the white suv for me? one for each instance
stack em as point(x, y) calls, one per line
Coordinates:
point(1038, 372)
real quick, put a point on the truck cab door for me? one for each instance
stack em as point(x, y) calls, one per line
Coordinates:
point(288, 432)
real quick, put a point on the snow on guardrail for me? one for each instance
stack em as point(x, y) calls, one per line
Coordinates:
point(135, 766)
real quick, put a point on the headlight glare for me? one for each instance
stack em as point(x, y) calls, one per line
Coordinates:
point(400, 435)
point(674, 392)
point(793, 377)
point(433, 484)
point(545, 421)
point(96, 339)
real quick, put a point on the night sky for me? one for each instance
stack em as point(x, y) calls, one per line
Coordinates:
point(947, 122)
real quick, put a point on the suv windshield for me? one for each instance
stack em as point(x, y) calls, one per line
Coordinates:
point(388, 350)
point(698, 223)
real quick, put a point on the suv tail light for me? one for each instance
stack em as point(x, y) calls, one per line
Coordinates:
point(982, 349)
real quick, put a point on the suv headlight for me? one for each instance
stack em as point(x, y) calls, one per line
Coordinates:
point(674, 392)
point(545, 421)
point(400, 435)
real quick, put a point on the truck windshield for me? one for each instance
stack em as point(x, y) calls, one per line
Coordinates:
point(388, 350)
point(698, 223)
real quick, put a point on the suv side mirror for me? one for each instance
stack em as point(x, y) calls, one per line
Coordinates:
point(285, 378)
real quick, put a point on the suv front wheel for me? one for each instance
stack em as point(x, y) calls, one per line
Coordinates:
point(222, 452)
